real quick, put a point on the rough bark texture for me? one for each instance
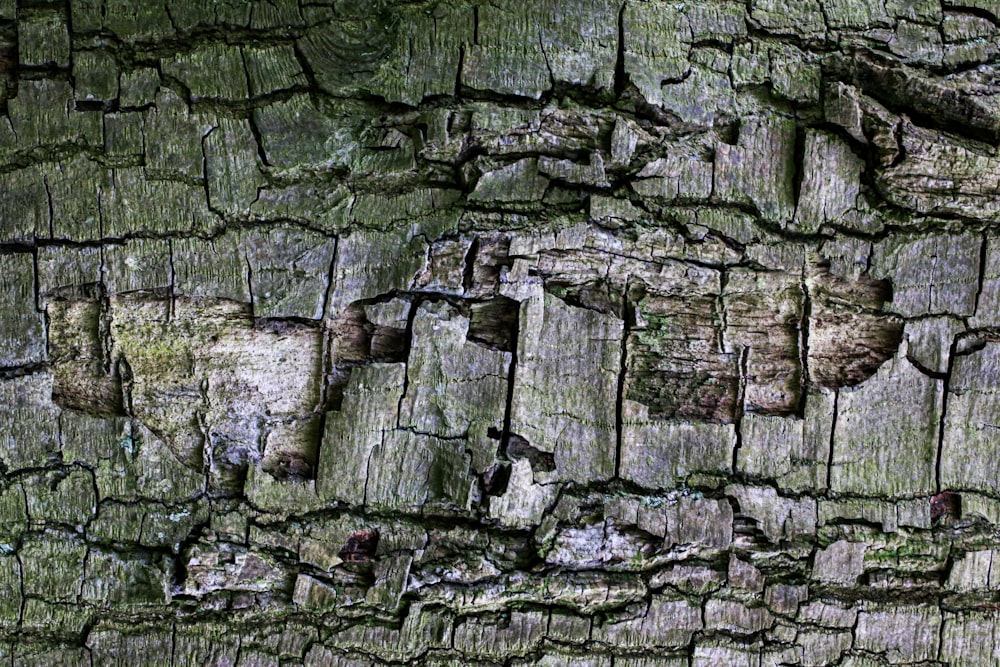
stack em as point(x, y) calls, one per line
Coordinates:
point(579, 332)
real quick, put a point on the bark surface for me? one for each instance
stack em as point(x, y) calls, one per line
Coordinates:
point(616, 334)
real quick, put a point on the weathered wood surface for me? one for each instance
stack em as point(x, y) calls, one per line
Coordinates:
point(572, 332)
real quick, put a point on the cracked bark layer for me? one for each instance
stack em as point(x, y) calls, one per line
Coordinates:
point(558, 333)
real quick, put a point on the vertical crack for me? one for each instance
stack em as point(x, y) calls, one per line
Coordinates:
point(239, 649)
point(38, 288)
point(105, 318)
point(258, 140)
point(982, 274)
point(545, 57)
point(67, 14)
point(458, 73)
point(720, 309)
point(629, 322)
point(804, 344)
point(249, 284)
point(124, 372)
point(740, 401)
point(207, 452)
point(407, 348)
point(932, 286)
point(96, 514)
point(330, 275)
point(172, 304)
point(326, 355)
point(145, 524)
point(51, 208)
point(945, 388)
point(251, 121)
point(170, 17)
point(173, 643)
point(621, 79)
point(409, 58)
point(798, 167)
point(246, 73)
point(508, 410)
point(104, 337)
point(469, 265)
point(368, 469)
point(100, 202)
point(83, 579)
point(20, 581)
point(204, 172)
point(306, 67)
point(940, 628)
point(833, 430)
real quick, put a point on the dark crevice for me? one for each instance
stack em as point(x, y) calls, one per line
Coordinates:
point(368, 469)
point(359, 342)
point(798, 167)
point(548, 65)
point(621, 77)
point(718, 43)
point(494, 481)
point(307, 69)
point(48, 197)
point(124, 371)
point(595, 296)
point(361, 546)
point(937, 375)
point(24, 597)
point(519, 448)
point(805, 382)
point(911, 92)
point(469, 265)
point(407, 342)
point(331, 278)
point(983, 250)
point(628, 323)
point(171, 303)
point(326, 361)
point(505, 434)
point(37, 293)
point(9, 60)
point(946, 507)
point(249, 279)
point(179, 574)
point(237, 658)
point(833, 433)
point(992, 17)
point(945, 388)
point(258, 138)
point(494, 323)
point(739, 405)
point(93, 105)
point(458, 73)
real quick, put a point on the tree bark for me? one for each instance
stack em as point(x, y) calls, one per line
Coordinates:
point(593, 333)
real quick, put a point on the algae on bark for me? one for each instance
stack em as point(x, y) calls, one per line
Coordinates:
point(559, 333)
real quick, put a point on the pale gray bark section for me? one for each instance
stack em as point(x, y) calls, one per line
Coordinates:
point(573, 332)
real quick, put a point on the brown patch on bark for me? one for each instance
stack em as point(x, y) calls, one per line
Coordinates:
point(946, 507)
point(849, 337)
point(360, 546)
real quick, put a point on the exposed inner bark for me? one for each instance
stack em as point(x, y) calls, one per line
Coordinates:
point(630, 333)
